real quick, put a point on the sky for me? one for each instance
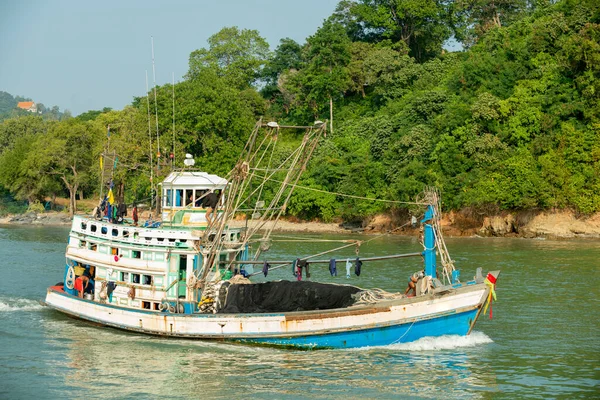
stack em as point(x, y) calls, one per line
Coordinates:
point(86, 55)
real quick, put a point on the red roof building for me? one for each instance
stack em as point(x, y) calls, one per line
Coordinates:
point(27, 106)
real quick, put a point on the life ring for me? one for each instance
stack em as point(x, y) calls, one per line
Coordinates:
point(70, 279)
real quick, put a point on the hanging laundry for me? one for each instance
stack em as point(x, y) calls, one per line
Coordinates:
point(110, 288)
point(122, 210)
point(332, 267)
point(135, 215)
point(265, 269)
point(348, 266)
point(357, 265)
point(300, 264)
point(294, 266)
point(110, 197)
point(78, 284)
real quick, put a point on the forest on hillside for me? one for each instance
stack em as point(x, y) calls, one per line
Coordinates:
point(511, 122)
point(8, 108)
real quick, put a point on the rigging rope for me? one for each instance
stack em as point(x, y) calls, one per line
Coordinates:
point(350, 195)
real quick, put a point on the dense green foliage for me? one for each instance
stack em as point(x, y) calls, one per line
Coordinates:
point(8, 108)
point(511, 122)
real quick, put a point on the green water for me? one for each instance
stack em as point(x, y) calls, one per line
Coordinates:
point(543, 341)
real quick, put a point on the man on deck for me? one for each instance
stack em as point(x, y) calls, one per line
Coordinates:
point(210, 203)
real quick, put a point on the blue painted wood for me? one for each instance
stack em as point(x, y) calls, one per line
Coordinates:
point(429, 242)
point(454, 324)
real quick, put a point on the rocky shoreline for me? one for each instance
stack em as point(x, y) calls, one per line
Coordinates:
point(32, 218)
point(526, 224)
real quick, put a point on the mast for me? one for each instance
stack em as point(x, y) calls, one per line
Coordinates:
point(173, 159)
point(155, 107)
point(150, 137)
point(156, 115)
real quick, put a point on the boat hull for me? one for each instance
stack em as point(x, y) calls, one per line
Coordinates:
point(385, 323)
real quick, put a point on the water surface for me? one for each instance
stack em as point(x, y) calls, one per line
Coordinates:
point(542, 342)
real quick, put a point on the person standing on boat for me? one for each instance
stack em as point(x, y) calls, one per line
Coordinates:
point(210, 203)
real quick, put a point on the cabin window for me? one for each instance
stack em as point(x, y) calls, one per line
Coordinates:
point(168, 198)
point(83, 226)
point(126, 234)
point(104, 230)
point(172, 240)
point(93, 228)
point(82, 244)
point(114, 251)
point(93, 247)
point(136, 235)
point(156, 306)
point(135, 278)
point(146, 305)
point(146, 279)
point(115, 232)
point(136, 254)
point(189, 197)
point(124, 276)
point(160, 239)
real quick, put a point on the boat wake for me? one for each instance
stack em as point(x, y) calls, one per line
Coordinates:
point(11, 304)
point(446, 342)
point(429, 343)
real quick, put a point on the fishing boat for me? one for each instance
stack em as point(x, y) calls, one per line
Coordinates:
point(190, 275)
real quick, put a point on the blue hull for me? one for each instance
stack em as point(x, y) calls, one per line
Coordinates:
point(453, 324)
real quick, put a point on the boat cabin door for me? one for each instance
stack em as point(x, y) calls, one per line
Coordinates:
point(182, 284)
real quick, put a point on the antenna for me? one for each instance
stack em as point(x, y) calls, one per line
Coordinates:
point(173, 159)
point(150, 137)
point(155, 107)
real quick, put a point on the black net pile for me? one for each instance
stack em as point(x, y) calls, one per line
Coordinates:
point(285, 296)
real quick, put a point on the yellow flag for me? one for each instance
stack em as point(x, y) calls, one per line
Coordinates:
point(111, 198)
point(101, 163)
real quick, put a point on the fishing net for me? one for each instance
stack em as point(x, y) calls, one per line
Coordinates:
point(286, 296)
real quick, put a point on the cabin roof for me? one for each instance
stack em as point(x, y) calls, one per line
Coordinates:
point(25, 104)
point(194, 179)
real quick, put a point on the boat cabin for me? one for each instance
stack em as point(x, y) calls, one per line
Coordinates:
point(184, 197)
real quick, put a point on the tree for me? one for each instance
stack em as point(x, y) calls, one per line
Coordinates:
point(238, 55)
point(15, 128)
point(325, 76)
point(423, 25)
point(287, 56)
point(474, 18)
point(66, 153)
